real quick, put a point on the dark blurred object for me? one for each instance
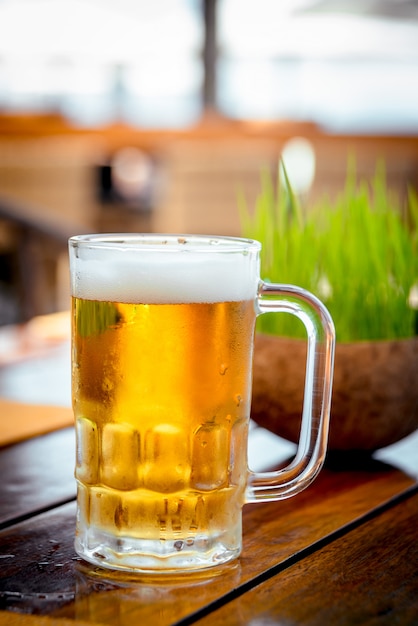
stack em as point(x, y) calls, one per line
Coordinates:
point(128, 185)
point(9, 297)
point(33, 257)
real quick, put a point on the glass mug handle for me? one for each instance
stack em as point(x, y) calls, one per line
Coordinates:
point(310, 455)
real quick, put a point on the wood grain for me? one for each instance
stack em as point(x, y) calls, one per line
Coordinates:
point(21, 421)
point(368, 576)
point(40, 572)
point(36, 474)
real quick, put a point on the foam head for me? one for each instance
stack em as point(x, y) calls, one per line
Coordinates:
point(154, 269)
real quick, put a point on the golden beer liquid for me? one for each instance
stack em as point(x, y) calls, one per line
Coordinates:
point(161, 396)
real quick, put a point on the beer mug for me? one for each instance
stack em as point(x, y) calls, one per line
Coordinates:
point(162, 344)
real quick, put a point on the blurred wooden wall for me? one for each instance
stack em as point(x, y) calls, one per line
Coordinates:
point(50, 170)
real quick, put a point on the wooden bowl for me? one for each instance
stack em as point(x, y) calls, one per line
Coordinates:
point(375, 390)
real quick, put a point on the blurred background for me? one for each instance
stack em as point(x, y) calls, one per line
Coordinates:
point(154, 116)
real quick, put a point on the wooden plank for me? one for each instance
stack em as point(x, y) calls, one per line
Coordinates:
point(368, 576)
point(339, 495)
point(21, 421)
point(37, 559)
point(36, 474)
point(40, 572)
point(16, 619)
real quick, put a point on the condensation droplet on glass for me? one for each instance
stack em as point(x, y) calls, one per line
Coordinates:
point(222, 369)
point(238, 399)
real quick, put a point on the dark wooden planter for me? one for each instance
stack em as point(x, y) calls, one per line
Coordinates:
point(375, 390)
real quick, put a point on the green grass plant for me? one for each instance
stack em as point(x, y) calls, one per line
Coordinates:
point(357, 253)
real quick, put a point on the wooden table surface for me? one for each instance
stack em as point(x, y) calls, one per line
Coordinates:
point(344, 551)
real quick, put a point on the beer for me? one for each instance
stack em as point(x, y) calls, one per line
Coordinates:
point(162, 342)
point(161, 397)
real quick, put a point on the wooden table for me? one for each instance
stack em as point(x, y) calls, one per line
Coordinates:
point(344, 551)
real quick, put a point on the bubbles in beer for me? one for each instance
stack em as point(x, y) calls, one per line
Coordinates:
point(87, 451)
point(161, 400)
point(166, 463)
point(210, 457)
point(119, 456)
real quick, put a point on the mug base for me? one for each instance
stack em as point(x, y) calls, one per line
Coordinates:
point(154, 556)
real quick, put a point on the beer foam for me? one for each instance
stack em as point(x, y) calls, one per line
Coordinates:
point(174, 275)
